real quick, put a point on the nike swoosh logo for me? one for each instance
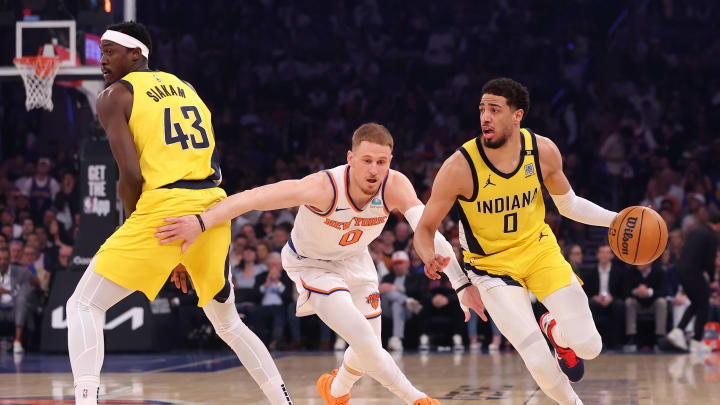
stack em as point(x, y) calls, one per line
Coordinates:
point(341, 209)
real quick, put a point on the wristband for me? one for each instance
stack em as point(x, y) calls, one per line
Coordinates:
point(202, 224)
point(462, 287)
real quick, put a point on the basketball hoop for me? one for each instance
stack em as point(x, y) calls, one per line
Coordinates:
point(38, 74)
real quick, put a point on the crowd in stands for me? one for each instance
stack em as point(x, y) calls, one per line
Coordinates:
point(633, 104)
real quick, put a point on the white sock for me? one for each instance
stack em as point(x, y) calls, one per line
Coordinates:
point(343, 382)
point(276, 392)
point(86, 393)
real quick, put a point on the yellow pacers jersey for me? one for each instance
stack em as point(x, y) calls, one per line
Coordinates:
point(506, 209)
point(172, 130)
point(502, 225)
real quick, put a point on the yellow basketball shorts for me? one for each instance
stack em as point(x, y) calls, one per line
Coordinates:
point(537, 265)
point(133, 257)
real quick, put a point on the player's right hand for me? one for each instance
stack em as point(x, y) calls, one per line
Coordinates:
point(180, 277)
point(435, 266)
point(185, 228)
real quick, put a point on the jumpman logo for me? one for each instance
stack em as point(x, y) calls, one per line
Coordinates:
point(542, 235)
point(489, 183)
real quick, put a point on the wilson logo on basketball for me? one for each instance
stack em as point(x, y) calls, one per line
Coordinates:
point(373, 299)
point(628, 233)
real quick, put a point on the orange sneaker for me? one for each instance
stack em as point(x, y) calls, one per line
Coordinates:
point(426, 401)
point(323, 386)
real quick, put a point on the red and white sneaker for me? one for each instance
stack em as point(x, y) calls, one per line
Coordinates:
point(570, 364)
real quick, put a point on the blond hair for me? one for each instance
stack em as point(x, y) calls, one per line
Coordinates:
point(372, 132)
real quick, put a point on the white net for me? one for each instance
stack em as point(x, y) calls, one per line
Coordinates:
point(38, 74)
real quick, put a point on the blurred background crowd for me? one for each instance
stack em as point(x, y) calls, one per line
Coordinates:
point(626, 89)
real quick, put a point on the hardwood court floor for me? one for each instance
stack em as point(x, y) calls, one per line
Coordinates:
point(637, 379)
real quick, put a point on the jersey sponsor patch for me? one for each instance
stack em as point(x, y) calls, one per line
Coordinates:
point(376, 201)
point(529, 169)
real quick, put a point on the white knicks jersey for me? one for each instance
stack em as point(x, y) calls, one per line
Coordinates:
point(345, 229)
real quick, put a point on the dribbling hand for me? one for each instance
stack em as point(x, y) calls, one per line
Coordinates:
point(435, 266)
point(470, 299)
point(185, 228)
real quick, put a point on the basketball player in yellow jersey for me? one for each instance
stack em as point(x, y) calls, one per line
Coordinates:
point(495, 181)
point(161, 136)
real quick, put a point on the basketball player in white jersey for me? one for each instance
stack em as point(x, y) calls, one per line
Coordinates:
point(341, 211)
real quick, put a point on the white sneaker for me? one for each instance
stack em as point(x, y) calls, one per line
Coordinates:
point(340, 344)
point(458, 343)
point(395, 344)
point(475, 347)
point(414, 305)
point(424, 342)
point(676, 337)
point(699, 347)
point(493, 347)
point(17, 347)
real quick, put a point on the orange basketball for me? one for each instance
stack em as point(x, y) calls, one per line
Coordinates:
point(638, 235)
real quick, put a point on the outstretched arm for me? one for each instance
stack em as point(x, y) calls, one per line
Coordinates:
point(314, 190)
point(427, 241)
point(452, 180)
point(404, 199)
point(569, 205)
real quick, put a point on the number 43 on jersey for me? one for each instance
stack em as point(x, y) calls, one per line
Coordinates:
point(174, 132)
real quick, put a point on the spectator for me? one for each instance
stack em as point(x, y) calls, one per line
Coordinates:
point(574, 255)
point(280, 236)
point(7, 232)
point(263, 250)
point(67, 201)
point(29, 259)
point(16, 285)
point(441, 320)
point(249, 232)
point(645, 292)
point(375, 249)
point(244, 276)
point(275, 290)
point(694, 202)
point(605, 290)
point(16, 252)
point(400, 295)
point(63, 259)
point(41, 189)
point(264, 227)
point(8, 219)
point(27, 229)
point(715, 293)
point(697, 257)
point(238, 249)
point(403, 235)
point(677, 299)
